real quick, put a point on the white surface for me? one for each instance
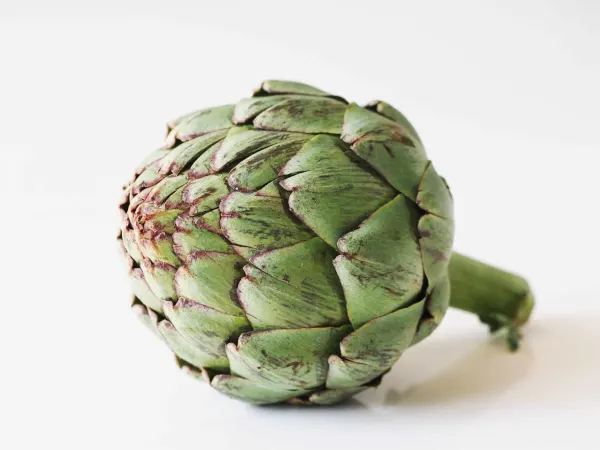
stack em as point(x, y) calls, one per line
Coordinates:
point(505, 95)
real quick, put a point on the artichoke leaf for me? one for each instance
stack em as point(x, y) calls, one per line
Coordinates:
point(204, 194)
point(359, 122)
point(332, 396)
point(147, 317)
point(160, 192)
point(401, 165)
point(160, 277)
point(202, 165)
point(182, 155)
point(330, 192)
point(247, 109)
point(142, 290)
point(288, 87)
point(290, 359)
point(148, 178)
point(159, 249)
point(201, 122)
point(244, 141)
point(434, 195)
point(260, 220)
point(436, 238)
point(304, 115)
point(130, 244)
point(380, 342)
point(387, 110)
point(263, 166)
point(380, 267)
point(252, 392)
point(205, 329)
point(211, 221)
point(210, 279)
point(346, 374)
point(271, 303)
point(191, 237)
point(187, 351)
point(436, 304)
point(372, 349)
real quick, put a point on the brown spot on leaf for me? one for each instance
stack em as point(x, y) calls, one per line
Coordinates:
point(425, 233)
point(230, 215)
point(437, 255)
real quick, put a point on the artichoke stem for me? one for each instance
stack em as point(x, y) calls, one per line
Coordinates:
point(502, 300)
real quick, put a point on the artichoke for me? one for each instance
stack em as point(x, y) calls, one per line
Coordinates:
point(290, 247)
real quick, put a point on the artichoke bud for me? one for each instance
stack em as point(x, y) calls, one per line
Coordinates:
point(290, 247)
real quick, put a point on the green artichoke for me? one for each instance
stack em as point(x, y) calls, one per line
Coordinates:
point(290, 247)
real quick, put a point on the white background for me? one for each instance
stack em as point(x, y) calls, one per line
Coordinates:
point(506, 97)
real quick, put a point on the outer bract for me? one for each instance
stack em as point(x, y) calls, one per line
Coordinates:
point(290, 247)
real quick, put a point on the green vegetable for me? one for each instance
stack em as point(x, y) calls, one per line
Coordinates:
point(292, 246)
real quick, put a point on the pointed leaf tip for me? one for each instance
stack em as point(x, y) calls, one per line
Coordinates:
point(288, 87)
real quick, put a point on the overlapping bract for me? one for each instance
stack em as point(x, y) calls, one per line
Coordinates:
point(289, 247)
